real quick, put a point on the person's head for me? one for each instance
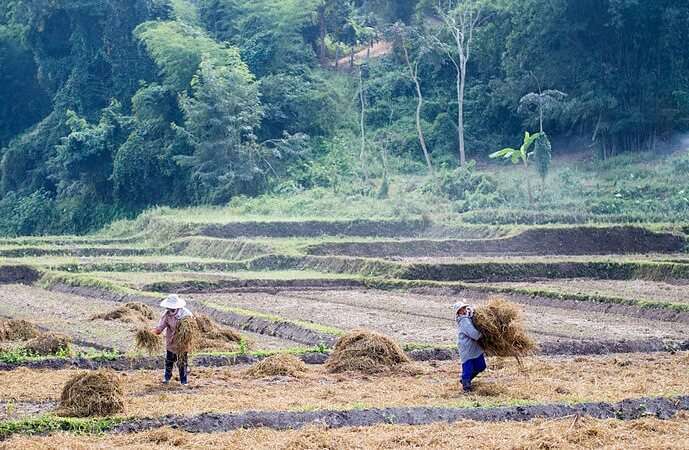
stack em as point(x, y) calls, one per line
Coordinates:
point(461, 308)
point(173, 303)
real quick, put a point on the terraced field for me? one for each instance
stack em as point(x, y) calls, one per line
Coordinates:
point(608, 307)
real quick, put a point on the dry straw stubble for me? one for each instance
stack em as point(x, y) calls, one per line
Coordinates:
point(279, 365)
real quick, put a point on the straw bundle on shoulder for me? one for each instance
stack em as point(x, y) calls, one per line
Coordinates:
point(89, 394)
point(367, 352)
point(500, 323)
point(147, 341)
point(280, 365)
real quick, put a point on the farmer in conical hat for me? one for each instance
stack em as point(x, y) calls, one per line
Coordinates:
point(471, 354)
point(175, 311)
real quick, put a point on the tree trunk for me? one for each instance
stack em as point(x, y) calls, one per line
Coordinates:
point(362, 154)
point(422, 140)
point(323, 33)
point(461, 80)
point(528, 182)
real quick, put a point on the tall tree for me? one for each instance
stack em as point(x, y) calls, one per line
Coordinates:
point(403, 33)
point(460, 21)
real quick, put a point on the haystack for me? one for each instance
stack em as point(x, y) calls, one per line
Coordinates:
point(49, 344)
point(500, 323)
point(147, 341)
point(17, 330)
point(367, 352)
point(202, 333)
point(89, 394)
point(129, 313)
point(279, 365)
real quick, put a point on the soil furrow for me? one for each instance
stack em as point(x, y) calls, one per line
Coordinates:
point(662, 408)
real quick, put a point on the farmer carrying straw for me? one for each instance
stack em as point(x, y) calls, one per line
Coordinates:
point(471, 353)
point(174, 314)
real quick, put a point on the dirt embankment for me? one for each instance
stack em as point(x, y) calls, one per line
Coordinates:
point(20, 252)
point(18, 275)
point(234, 250)
point(314, 228)
point(662, 408)
point(257, 285)
point(542, 241)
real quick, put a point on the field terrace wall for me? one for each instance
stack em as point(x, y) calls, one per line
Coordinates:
point(19, 274)
point(315, 228)
point(542, 241)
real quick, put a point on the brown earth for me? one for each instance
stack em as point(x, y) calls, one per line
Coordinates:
point(539, 241)
point(428, 319)
point(541, 380)
point(567, 433)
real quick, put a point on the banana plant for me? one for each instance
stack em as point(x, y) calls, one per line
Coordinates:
point(520, 155)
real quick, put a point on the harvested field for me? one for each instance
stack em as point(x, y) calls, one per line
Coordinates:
point(656, 291)
point(644, 433)
point(543, 380)
point(71, 314)
point(428, 318)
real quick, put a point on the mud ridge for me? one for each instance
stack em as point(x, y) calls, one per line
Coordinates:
point(21, 252)
point(544, 241)
point(662, 408)
point(18, 275)
point(314, 228)
point(252, 285)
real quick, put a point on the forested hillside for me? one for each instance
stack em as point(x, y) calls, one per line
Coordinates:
point(110, 107)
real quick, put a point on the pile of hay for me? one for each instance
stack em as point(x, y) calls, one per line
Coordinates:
point(280, 365)
point(49, 344)
point(129, 313)
point(214, 336)
point(367, 352)
point(500, 323)
point(201, 333)
point(90, 394)
point(147, 341)
point(17, 330)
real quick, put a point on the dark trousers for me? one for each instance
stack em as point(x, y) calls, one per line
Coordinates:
point(181, 360)
point(471, 368)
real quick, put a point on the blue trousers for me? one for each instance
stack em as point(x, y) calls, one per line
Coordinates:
point(471, 368)
point(182, 362)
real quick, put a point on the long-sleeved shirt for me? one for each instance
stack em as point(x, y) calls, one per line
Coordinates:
point(168, 323)
point(467, 339)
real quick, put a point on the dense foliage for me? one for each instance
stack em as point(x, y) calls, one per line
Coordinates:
point(110, 107)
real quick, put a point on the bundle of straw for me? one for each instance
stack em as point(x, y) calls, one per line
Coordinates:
point(147, 341)
point(186, 335)
point(17, 330)
point(367, 352)
point(500, 323)
point(279, 365)
point(92, 394)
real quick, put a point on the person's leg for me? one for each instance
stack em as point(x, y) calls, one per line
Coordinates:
point(170, 359)
point(479, 365)
point(467, 374)
point(183, 363)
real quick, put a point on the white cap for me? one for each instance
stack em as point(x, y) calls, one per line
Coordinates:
point(173, 302)
point(459, 305)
